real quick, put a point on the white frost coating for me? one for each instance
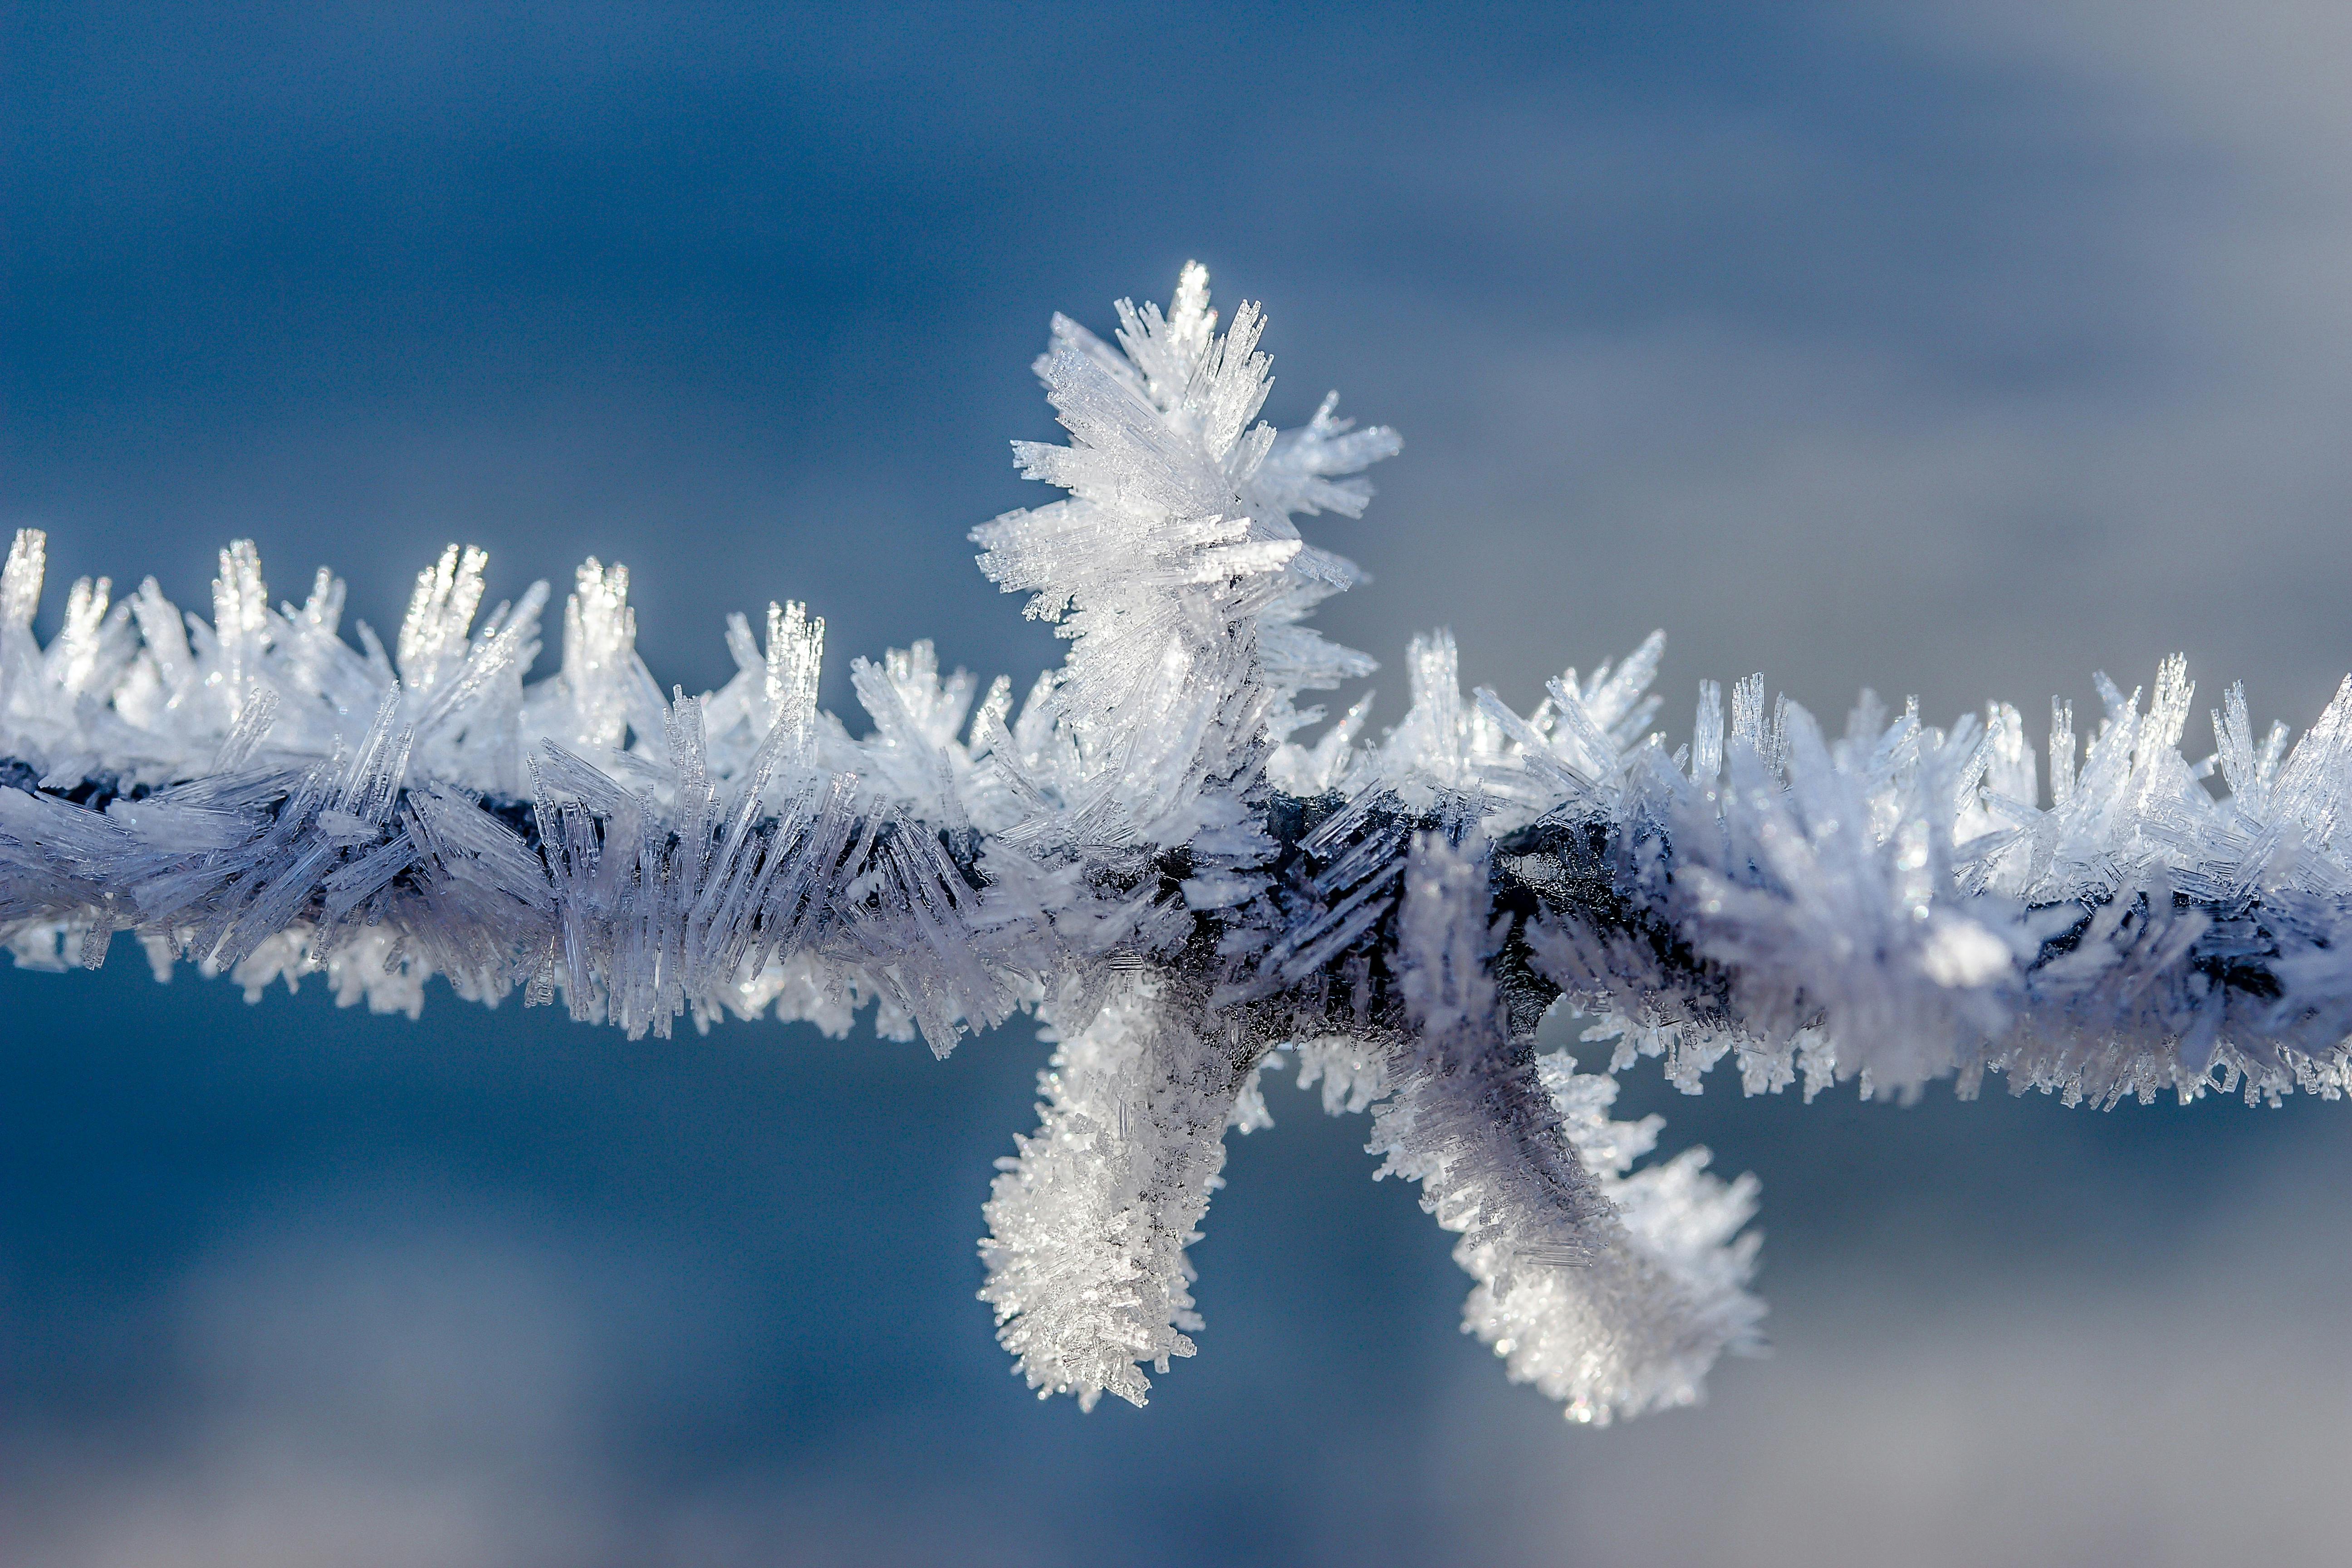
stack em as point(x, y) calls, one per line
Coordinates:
point(1682, 1247)
point(1088, 1224)
point(275, 803)
point(1611, 1292)
point(1146, 855)
point(1174, 568)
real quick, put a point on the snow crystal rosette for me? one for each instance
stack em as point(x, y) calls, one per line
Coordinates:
point(1149, 859)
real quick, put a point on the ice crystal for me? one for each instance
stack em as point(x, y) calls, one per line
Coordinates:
point(1148, 859)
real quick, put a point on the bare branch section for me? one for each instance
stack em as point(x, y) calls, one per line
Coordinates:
point(1149, 859)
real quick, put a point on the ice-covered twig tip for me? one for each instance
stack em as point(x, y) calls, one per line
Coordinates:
point(1148, 858)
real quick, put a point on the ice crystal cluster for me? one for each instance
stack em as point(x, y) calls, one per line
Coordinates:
point(1146, 857)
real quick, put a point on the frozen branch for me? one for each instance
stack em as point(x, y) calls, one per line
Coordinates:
point(1149, 859)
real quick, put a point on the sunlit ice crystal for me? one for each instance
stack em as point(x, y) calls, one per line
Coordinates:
point(1167, 854)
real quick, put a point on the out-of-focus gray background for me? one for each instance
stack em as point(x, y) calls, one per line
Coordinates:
point(1959, 349)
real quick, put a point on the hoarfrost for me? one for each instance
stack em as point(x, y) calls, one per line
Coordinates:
point(1155, 855)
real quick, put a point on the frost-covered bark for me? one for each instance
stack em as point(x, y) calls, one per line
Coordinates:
point(1612, 1293)
point(1088, 1223)
point(1158, 857)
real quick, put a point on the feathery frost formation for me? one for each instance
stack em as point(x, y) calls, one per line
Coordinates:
point(1148, 859)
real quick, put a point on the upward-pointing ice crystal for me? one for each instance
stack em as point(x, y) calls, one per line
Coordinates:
point(1146, 856)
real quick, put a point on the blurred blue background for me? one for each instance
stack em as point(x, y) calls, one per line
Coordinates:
point(1959, 349)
